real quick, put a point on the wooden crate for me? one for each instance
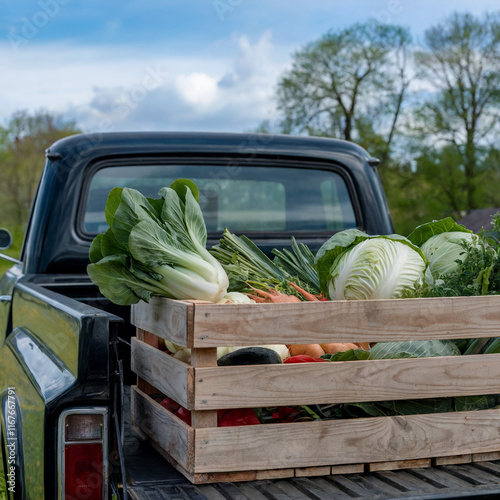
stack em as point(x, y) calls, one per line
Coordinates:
point(206, 453)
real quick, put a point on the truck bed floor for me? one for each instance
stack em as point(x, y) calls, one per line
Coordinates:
point(447, 482)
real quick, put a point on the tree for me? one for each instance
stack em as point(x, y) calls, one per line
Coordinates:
point(349, 84)
point(23, 144)
point(461, 62)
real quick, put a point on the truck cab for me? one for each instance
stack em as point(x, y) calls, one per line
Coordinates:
point(65, 349)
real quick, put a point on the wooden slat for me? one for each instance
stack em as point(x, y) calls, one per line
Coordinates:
point(219, 477)
point(346, 381)
point(400, 464)
point(313, 471)
point(202, 358)
point(364, 440)
point(169, 432)
point(456, 459)
point(225, 477)
point(319, 322)
point(150, 338)
point(153, 341)
point(347, 469)
point(274, 474)
point(486, 457)
point(169, 319)
point(346, 321)
point(169, 375)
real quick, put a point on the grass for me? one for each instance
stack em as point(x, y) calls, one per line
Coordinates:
point(14, 251)
point(3, 486)
point(3, 483)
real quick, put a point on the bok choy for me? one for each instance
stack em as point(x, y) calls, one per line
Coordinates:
point(155, 247)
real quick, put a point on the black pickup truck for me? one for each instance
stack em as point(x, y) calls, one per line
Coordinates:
point(65, 349)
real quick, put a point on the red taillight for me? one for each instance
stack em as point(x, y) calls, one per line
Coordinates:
point(83, 471)
point(83, 455)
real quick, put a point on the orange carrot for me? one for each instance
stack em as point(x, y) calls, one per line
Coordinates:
point(272, 296)
point(336, 347)
point(307, 295)
point(313, 350)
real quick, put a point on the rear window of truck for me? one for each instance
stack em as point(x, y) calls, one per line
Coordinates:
point(240, 198)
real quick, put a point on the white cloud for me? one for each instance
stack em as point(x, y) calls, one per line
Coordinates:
point(252, 60)
point(122, 89)
point(197, 88)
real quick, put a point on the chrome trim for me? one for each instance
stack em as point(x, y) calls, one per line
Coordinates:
point(10, 259)
point(61, 433)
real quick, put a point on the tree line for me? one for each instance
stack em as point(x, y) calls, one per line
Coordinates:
point(22, 147)
point(428, 111)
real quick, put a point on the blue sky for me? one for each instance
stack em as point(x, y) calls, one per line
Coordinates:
point(174, 64)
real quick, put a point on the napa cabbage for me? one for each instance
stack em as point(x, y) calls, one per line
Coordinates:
point(354, 265)
point(444, 244)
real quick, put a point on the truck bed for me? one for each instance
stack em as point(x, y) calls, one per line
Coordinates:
point(151, 477)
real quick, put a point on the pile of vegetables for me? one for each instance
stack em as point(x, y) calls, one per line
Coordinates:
point(157, 247)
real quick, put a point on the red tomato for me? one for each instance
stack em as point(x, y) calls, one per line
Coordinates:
point(170, 404)
point(285, 414)
point(303, 358)
point(239, 416)
point(184, 415)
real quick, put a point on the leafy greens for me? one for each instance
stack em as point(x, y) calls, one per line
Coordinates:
point(155, 247)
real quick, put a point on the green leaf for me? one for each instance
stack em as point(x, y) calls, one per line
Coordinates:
point(194, 222)
point(418, 406)
point(172, 214)
point(95, 252)
point(350, 355)
point(359, 410)
point(157, 204)
point(245, 262)
point(112, 204)
point(152, 245)
point(116, 282)
point(425, 231)
point(187, 272)
point(493, 347)
point(298, 262)
point(180, 185)
point(414, 349)
point(473, 403)
point(110, 246)
point(403, 407)
point(133, 208)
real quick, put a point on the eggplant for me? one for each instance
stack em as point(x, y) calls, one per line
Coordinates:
point(250, 356)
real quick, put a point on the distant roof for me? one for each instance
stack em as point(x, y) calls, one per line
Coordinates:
point(478, 219)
